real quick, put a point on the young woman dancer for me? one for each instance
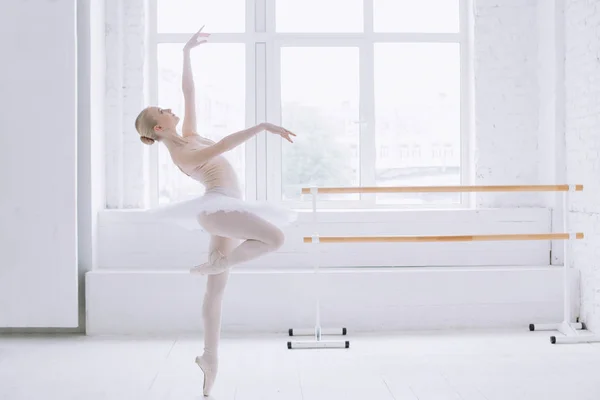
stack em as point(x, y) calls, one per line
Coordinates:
point(220, 211)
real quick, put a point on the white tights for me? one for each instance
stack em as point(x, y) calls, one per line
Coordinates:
point(227, 229)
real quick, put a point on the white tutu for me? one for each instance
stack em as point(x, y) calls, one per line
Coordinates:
point(185, 213)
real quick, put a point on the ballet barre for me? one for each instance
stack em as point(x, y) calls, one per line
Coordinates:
point(451, 238)
point(445, 189)
point(567, 327)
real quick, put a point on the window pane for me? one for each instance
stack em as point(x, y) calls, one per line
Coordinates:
point(416, 16)
point(319, 15)
point(219, 74)
point(319, 95)
point(187, 16)
point(417, 111)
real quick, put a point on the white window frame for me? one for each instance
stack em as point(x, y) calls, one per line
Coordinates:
point(263, 97)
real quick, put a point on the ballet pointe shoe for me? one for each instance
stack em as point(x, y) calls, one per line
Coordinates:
point(210, 374)
point(216, 264)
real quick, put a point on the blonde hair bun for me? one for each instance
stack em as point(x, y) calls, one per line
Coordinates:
point(147, 140)
point(144, 124)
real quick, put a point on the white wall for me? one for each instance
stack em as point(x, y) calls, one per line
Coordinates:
point(519, 60)
point(126, 80)
point(582, 71)
point(90, 126)
point(506, 99)
point(164, 302)
point(551, 132)
point(518, 139)
point(38, 103)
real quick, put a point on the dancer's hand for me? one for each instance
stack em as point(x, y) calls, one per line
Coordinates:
point(197, 39)
point(278, 130)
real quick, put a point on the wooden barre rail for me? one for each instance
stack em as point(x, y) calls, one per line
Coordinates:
point(444, 189)
point(454, 238)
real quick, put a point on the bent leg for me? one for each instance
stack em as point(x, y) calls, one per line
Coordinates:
point(259, 237)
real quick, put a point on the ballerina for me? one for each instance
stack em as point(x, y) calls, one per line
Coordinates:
point(221, 211)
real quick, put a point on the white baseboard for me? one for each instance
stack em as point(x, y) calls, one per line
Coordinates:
point(170, 302)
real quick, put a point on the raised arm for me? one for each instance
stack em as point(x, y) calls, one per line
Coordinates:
point(187, 84)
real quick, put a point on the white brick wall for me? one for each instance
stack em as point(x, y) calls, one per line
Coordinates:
point(506, 99)
point(125, 98)
point(582, 78)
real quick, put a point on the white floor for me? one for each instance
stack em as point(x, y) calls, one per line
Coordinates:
point(425, 366)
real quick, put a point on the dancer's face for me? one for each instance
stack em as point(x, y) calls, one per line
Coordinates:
point(164, 117)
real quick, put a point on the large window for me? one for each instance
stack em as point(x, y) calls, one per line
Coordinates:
point(319, 101)
point(374, 89)
point(417, 119)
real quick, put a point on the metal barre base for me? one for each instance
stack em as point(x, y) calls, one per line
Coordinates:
point(569, 330)
point(324, 331)
point(317, 343)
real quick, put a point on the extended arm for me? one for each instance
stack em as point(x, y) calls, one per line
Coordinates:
point(230, 142)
